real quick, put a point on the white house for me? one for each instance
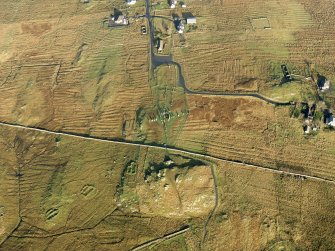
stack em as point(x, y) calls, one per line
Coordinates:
point(160, 45)
point(121, 20)
point(325, 86)
point(181, 27)
point(191, 20)
point(118, 20)
point(173, 4)
point(307, 129)
point(131, 2)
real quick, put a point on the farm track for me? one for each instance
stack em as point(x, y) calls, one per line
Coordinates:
point(165, 148)
point(158, 240)
point(205, 231)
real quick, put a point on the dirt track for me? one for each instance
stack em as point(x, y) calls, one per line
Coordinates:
point(156, 241)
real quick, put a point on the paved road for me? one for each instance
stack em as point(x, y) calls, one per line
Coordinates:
point(232, 94)
point(168, 148)
point(158, 60)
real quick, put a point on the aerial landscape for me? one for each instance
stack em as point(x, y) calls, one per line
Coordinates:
point(167, 125)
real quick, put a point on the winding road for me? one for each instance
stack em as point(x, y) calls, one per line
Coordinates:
point(158, 60)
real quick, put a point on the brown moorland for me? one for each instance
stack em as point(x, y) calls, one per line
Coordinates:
point(63, 69)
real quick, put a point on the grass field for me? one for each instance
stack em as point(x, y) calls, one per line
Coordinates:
point(279, 213)
point(236, 43)
point(80, 73)
point(252, 131)
point(67, 190)
point(169, 109)
point(163, 30)
point(62, 69)
point(75, 193)
point(293, 91)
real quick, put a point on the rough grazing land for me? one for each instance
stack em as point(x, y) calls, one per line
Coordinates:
point(62, 69)
point(69, 194)
point(239, 45)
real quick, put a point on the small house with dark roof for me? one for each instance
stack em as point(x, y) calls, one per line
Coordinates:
point(330, 120)
point(323, 83)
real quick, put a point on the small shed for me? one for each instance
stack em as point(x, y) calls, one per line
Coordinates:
point(191, 20)
point(131, 2)
point(286, 73)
